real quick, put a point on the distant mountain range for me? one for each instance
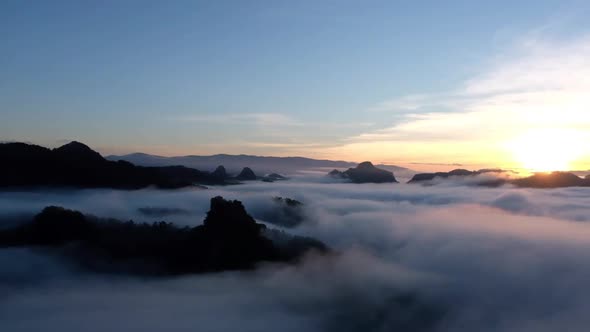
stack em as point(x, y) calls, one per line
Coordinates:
point(77, 165)
point(235, 163)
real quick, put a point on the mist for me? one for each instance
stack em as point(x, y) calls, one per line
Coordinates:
point(407, 257)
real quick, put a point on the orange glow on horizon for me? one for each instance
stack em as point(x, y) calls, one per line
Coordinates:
point(546, 150)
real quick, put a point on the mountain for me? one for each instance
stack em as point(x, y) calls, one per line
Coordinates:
point(228, 239)
point(427, 178)
point(77, 165)
point(246, 175)
point(220, 173)
point(235, 163)
point(365, 172)
point(538, 180)
point(276, 177)
point(273, 177)
point(552, 180)
point(79, 153)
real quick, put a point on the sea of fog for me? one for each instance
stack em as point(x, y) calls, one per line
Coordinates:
point(450, 257)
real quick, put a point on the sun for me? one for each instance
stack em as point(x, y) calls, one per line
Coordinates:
point(545, 150)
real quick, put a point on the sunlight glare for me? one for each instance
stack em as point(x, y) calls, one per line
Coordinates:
point(546, 150)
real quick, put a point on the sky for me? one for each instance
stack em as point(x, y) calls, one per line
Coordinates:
point(477, 84)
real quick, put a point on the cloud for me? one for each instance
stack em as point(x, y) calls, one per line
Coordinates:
point(257, 119)
point(444, 258)
point(540, 85)
point(267, 133)
point(303, 297)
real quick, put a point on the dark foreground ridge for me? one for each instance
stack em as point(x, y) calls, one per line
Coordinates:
point(76, 165)
point(228, 239)
point(365, 172)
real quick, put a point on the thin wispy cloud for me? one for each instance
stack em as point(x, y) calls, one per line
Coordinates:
point(542, 86)
point(258, 119)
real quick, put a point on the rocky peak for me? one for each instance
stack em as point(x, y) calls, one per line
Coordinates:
point(335, 173)
point(230, 215)
point(219, 172)
point(365, 172)
point(246, 174)
point(366, 165)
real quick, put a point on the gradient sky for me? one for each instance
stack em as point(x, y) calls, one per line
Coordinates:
point(404, 82)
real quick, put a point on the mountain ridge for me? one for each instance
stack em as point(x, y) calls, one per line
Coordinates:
point(77, 165)
point(235, 163)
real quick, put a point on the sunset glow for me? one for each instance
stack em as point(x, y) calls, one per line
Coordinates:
point(546, 150)
point(317, 166)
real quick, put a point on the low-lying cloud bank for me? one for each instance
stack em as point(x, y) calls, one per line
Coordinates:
point(411, 258)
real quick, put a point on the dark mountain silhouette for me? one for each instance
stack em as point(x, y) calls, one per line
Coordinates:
point(79, 153)
point(426, 178)
point(246, 175)
point(336, 173)
point(552, 180)
point(219, 173)
point(538, 180)
point(76, 165)
point(228, 239)
point(365, 172)
point(234, 163)
point(274, 177)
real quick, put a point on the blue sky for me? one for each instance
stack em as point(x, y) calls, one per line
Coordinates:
point(265, 77)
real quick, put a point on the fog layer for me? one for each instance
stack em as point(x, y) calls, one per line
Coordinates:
point(409, 258)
